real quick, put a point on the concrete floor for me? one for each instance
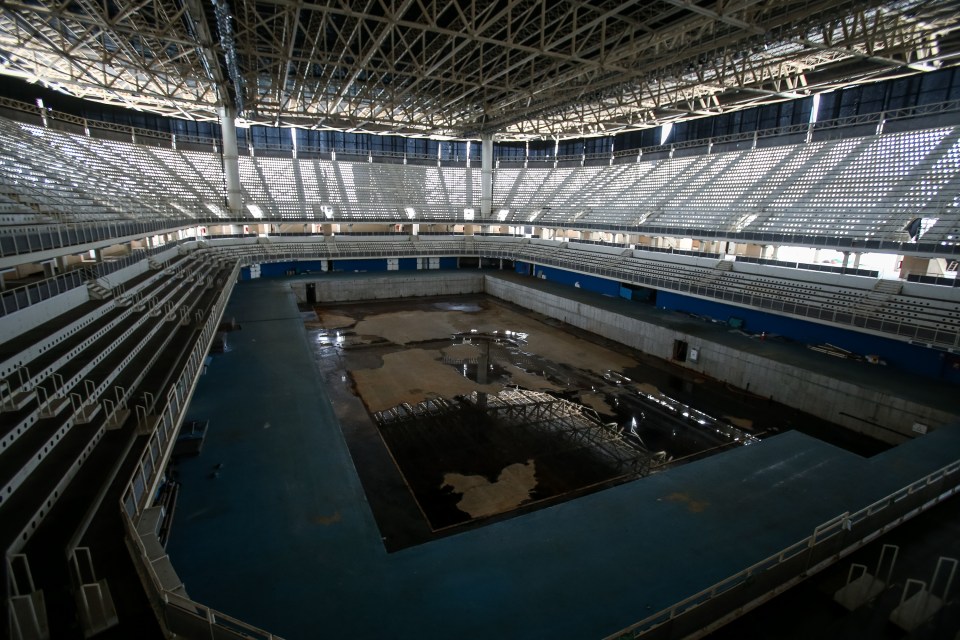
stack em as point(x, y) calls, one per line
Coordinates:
point(285, 537)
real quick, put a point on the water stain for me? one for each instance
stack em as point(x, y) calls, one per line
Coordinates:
point(327, 520)
point(743, 423)
point(484, 498)
point(693, 506)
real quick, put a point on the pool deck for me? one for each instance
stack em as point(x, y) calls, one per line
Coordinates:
point(284, 538)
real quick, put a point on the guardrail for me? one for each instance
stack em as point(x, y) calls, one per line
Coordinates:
point(26, 295)
point(179, 614)
point(829, 541)
point(834, 539)
point(949, 106)
point(32, 293)
point(612, 268)
point(48, 236)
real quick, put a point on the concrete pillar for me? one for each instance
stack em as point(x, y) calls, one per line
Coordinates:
point(846, 259)
point(231, 168)
point(919, 266)
point(750, 250)
point(856, 260)
point(486, 175)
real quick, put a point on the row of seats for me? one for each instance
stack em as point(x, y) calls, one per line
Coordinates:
point(77, 178)
point(322, 189)
point(65, 383)
point(866, 188)
point(72, 377)
point(931, 320)
point(43, 395)
point(928, 320)
point(78, 393)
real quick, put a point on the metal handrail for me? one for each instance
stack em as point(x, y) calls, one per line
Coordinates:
point(948, 106)
point(609, 266)
point(17, 298)
point(133, 501)
point(822, 533)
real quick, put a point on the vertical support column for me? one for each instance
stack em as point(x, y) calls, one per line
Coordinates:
point(231, 168)
point(486, 175)
point(856, 260)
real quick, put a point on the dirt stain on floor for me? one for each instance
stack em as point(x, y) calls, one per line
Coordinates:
point(403, 327)
point(693, 506)
point(743, 423)
point(597, 402)
point(527, 380)
point(484, 498)
point(412, 376)
point(330, 321)
point(326, 521)
point(646, 387)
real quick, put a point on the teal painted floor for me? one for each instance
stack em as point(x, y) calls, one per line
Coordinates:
point(284, 538)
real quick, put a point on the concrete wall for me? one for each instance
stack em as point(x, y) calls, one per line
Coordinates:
point(396, 285)
point(839, 401)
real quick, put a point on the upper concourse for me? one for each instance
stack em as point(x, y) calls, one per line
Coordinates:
point(777, 175)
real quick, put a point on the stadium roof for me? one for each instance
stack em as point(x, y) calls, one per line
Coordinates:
point(513, 68)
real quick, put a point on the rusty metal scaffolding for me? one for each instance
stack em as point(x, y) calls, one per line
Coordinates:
point(435, 426)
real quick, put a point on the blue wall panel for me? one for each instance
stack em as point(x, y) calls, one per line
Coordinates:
point(277, 269)
point(590, 283)
point(373, 264)
point(448, 263)
point(407, 264)
point(902, 355)
point(523, 268)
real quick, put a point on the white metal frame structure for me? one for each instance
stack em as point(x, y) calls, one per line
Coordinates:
point(516, 69)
